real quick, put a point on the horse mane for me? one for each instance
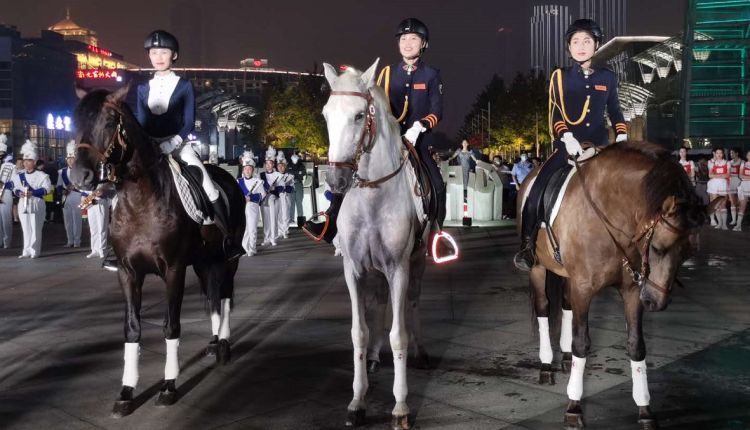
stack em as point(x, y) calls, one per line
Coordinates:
point(665, 178)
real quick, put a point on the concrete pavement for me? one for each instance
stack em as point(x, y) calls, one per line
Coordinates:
point(61, 346)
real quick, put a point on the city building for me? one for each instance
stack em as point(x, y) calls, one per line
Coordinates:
point(716, 73)
point(611, 15)
point(548, 48)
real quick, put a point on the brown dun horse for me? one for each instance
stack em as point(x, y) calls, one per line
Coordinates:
point(629, 219)
point(152, 234)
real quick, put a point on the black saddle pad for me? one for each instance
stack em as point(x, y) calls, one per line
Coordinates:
point(194, 177)
point(553, 190)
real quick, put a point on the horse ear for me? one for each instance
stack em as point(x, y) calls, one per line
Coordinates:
point(368, 77)
point(330, 73)
point(669, 207)
point(715, 204)
point(120, 94)
point(80, 92)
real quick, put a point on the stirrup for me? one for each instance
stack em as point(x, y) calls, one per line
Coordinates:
point(521, 260)
point(311, 234)
point(440, 258)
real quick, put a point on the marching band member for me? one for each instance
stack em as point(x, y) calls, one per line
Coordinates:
point(72, 199)
point(7, 171)
point(31, 185)
point(254, 191)
point(286, 196)
point(718, 184)
point(98, 216)
point(166, 110)
point(687, 165)
point(269, 205)
point(743, 191)
point(735, 163)
point(579, 96)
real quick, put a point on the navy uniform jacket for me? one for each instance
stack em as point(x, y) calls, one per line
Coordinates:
point(578, 103)
point(179, 117)
point(415, 96)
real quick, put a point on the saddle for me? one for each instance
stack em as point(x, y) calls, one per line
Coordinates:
point(552, 193)
point(188, 181)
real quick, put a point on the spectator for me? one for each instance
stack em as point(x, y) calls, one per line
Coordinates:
point(521, 170)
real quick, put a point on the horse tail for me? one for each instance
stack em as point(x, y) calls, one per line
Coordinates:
point(553, 289)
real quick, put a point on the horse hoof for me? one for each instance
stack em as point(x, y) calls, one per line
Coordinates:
point(122, 408)
point(212, 347)
point(400, 422)
point(546, 375)
point(224, 353)
point(648, 424)
point(567, 362)
point(373, 366)
point(166, 398)
point(573, 421)
point(355, 418)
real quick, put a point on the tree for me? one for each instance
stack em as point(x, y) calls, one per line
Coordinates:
point(292, 116)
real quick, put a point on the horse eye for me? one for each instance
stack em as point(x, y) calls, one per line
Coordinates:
point(359, 116)
point(658, 251)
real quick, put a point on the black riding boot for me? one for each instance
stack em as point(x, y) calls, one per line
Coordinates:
point(221, 218)
point(110, 260)
point(526, 257)
point(325, 230)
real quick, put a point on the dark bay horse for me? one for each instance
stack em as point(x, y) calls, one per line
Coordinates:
point(629, 219)
point(151, 233)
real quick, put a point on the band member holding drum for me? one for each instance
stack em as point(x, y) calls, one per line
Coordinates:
point(71, 199)
point(31, 185)
point(7, 170)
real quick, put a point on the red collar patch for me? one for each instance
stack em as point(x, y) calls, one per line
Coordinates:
point(420, 86)
point(600, 87)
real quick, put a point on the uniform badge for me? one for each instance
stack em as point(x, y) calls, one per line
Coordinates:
point(420, 86)
point(600, 87)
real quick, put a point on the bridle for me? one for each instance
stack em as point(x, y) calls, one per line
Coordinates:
point(369, 129)
point(105, 166)
point(642, 241)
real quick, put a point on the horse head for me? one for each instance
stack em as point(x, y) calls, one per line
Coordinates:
point(667, 242)
point(350, 117)
point(101, 137)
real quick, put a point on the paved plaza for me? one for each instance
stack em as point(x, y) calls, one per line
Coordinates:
point(61, 341)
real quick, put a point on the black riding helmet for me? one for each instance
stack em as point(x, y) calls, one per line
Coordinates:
point(161, 39)
point(589, 26)
point(413, 25)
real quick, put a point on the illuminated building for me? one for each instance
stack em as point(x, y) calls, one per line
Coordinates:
point(548, 48)
point(716, 82)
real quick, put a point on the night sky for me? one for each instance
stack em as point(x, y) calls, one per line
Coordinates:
point(465, 42)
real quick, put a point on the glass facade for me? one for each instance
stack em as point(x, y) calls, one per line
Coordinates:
point(717, 80)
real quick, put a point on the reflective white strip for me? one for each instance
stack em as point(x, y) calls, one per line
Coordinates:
point(225, 309)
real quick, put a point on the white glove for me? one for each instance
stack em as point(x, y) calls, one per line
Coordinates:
point(170, 144)
point(413, 133)
point(621, 138)
point(571, 144)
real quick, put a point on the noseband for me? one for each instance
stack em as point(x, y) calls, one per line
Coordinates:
point(369, 129)
point(105, 166)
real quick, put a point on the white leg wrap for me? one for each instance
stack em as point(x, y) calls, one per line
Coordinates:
point(400, 387)
point(640, 383)
point(215, 323)
point(575, 383)
point(130, 369)
point(225, 309)
point(566, 331)
point(172, 365)
point(545, 345)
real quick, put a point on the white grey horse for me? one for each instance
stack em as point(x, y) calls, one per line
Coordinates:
point(378, 226)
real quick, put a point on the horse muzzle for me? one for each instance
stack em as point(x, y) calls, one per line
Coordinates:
point(654, 300)
point(340, 179)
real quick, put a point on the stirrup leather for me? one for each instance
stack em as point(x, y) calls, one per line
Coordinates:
point(311, 234)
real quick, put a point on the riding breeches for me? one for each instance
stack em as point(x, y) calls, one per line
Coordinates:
point(533, 206)
point(190, 157)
